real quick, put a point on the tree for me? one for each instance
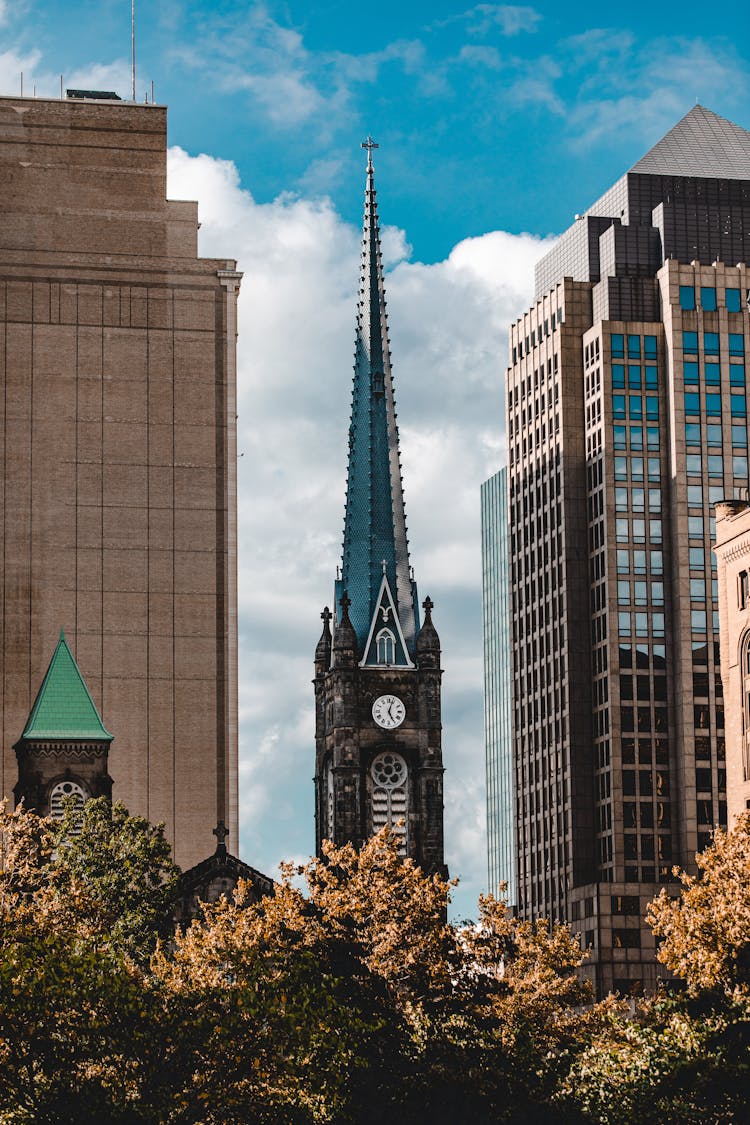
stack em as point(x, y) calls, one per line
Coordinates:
point(706, 931)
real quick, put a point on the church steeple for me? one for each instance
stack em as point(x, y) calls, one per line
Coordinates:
point(375, 572)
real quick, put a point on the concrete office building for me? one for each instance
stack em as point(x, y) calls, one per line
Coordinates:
point(498, 686)
point(118, 461)
point(627, 421)
point(733, 558)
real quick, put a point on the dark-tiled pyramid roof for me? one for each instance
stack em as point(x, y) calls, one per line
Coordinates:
point(702, 144)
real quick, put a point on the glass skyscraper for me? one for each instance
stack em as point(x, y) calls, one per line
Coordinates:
point(498, 685)
point(626, 410)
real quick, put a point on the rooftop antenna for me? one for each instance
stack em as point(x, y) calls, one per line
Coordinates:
point(132, 47)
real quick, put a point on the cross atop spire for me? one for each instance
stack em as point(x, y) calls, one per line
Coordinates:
point(375, 548)
point(369, 144)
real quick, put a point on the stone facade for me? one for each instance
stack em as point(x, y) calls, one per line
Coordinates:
point(733, 556)
point(348, 741)
point(119, 455)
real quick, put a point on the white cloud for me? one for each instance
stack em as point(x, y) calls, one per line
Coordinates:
point(297, 309)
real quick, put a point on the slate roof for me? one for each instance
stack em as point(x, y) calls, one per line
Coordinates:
point(703, 145)
point(375, 519)
point(64, 707)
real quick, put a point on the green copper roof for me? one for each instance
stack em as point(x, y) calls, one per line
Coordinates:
point(375, 538)
point(64, 708)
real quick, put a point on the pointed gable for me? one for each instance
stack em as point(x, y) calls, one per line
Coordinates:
point(63, 707)
point(385, 643)
point(702, 144)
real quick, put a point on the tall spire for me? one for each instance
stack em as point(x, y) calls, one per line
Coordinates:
point(375, 570)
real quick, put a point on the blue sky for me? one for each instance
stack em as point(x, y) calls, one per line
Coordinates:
point(496, 124)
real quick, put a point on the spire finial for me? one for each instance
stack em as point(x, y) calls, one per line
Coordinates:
point(345, 601)
point(369, 144)
point(221, 832)
point(428, 605)
point(325, 615)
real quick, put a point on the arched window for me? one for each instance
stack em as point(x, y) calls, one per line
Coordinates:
point(330, 819)
point(64, 791)
point(390, 795)
point(386, 647)
point(745, 672)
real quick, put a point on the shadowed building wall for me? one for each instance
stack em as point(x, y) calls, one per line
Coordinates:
point(117, 422)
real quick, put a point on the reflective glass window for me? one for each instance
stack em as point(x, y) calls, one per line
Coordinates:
point(654, 530)
point(618, 376)
point(693, 463)
point(692, 402)
point(713, 434)
point(634, 376)
point(691, 369)
point(617, 344)
point(618, 406)
point(697, 558)
point(711, 343)
point(698, 589)
point(715, 465)
point(693, 433)
point(739, 406)
point(657, 593)
point(736, 343)
point(623, 623)
point(639, 562)
point(690, 342)
point(623, 592)
point(654, 500)
point(649, 347)
point(657, 624)
point(739, 466)
point(623, 562)
point(639, 531)
point(636, 406)
point(657, 563)
point(687, 297)
point(713, 404)
point(641, 624)
point(698, 620)
point(732, 299)
point(621, 468)
point(621, 499)
point(708, 298)
point(652, 433)
point(695, 496)
point(640, 591)
point(636, 468)
point(637, 499)
point(621, 528)
point(620, 434)
point(713, 374)
point(652, 407)
point(695, 527)
point(739, 435)
point(651, 379)
point(636, 437)
point(634, 347)
point(715, 493)
point(737, 374)
point(653, 468)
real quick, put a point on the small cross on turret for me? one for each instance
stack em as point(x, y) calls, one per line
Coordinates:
point(221, 832)
point(369, 144)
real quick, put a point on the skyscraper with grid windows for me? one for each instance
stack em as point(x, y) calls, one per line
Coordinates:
point(626, 411)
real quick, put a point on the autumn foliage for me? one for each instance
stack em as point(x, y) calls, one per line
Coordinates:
point(345, 998)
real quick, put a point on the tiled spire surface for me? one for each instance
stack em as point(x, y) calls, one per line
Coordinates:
point(375, 542)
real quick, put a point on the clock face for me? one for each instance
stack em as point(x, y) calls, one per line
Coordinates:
point(388, 712)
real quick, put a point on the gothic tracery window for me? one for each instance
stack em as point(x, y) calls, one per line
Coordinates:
point(390, 795)
point(65, 791)
point(386, 646)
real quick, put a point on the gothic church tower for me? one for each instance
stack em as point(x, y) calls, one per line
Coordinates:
point(377, 675)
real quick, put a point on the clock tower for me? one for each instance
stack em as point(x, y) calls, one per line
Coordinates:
point(377, 672)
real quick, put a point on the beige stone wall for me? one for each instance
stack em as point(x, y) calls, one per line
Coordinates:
point(733, 557)
point(117, 421)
